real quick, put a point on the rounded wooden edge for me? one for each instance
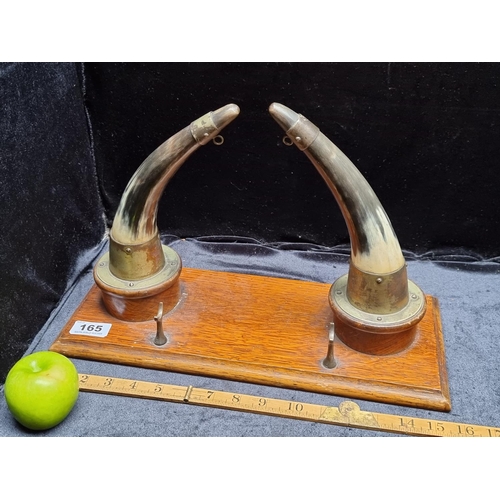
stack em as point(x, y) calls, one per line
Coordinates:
point(141, 308)
point(377, 344)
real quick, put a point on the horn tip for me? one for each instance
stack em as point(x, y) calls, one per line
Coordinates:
point(225, 115)
point(285, 117)
point(276, 109)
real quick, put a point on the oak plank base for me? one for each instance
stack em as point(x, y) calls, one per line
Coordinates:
point(269, 331)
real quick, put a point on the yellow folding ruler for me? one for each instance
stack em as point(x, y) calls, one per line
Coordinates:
point(347, 414)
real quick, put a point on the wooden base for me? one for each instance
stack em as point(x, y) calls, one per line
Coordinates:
point(268, 331)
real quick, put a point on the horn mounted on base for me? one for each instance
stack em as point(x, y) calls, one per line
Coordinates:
point(375, 306)
point(138, 267)
point(260, 329)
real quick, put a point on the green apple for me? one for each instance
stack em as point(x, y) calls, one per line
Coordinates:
point(41, 389)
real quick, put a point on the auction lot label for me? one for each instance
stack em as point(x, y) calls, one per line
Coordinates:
point(90, 329)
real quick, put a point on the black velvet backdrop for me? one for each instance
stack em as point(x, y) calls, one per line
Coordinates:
point(50, 208)
point(426, 137)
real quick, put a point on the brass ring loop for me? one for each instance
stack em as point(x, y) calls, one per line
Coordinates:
point(287, 141)
point(218, 140)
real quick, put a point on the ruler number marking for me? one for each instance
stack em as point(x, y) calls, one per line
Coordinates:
point(295, 406)
point(438, 427)
point(408, 425)
point(468, 429)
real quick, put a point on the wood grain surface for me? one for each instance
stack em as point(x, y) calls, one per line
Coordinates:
point(265, 330)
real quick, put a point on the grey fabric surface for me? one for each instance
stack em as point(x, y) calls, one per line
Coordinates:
point(468, 294)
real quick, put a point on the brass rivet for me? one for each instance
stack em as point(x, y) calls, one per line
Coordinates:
point(298, 139)
point(128, 250)
point(339, 292)
point(379, 318)
point(414, 296)
point(131, 284)
point(379, 280)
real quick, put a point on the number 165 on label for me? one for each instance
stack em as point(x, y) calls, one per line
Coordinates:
point(90, 328)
